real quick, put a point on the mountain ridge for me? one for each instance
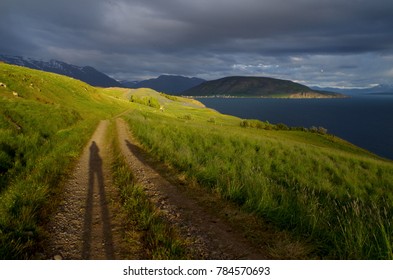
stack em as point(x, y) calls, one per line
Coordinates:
point(378, 89)
point(86, 74)
point(170, 84)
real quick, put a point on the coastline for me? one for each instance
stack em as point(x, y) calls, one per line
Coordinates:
point(292, 96)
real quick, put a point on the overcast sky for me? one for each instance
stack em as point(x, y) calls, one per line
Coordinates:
point(317, 42)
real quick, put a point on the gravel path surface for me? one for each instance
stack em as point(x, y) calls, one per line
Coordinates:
point(86, 224)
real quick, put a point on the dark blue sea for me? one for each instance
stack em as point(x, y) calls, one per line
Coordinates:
point(366, 121)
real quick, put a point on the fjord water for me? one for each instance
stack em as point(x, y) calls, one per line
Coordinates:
point(366, 121)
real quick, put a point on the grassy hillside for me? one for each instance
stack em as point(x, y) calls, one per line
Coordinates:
point(315, 185)
point(45, 120)
point(255, 87)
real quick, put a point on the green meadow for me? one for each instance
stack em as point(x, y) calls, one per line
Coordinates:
point(316, 186)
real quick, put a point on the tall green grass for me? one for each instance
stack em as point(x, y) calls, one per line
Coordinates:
point(42, 132)
point(317, 186)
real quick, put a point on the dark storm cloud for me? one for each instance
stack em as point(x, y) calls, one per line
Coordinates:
point(330, 26)
point(209, 38)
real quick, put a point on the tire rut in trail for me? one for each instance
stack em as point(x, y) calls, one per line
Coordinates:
point(209, 237)
point(87, 223)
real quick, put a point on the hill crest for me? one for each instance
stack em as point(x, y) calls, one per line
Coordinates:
point(246, 86)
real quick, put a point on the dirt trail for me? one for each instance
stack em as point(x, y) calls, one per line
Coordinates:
point(85, 225)
point(88, 223)
point(210, 237)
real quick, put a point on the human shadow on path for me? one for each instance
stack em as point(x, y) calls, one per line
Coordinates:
point(140, 155)
point(96, 188)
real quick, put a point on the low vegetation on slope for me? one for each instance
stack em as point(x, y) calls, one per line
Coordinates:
point(45, 120)
point(316, 185)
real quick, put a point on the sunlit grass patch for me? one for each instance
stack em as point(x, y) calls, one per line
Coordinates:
point(313, 184)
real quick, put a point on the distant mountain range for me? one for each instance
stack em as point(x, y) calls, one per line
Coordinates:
point(86, 74)
point(381, 89)
point(170, 84)
point(180, 85)
point(128, 84)
point(256, 87)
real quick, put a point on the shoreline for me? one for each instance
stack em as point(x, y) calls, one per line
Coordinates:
point(265, 97)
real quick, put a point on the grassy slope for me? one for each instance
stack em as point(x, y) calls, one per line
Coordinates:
point(318, 186)
point(42, 131)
